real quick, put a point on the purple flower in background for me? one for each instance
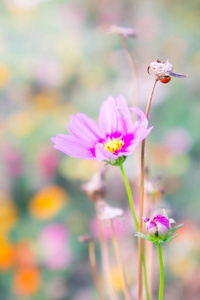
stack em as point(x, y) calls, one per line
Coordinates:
point(115, 136)
point(159, 226)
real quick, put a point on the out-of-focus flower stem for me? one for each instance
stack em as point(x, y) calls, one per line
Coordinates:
point(140, 243)
point(160, 297)
point(133, 70)
point(120, 262)
point(93, 265)
point(105, 261)
point(130, 197)
point(135, 86)
point(145, 275)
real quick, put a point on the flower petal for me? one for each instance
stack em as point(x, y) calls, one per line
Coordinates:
point(115, 118)
point(108, 117)
point(103, 154)
point(73, 146)
point(162, 229)
point(125, 123)
point(161, 220)
point(142, 123)
point(122, 105)
point(130, 149)
point(151, 227)
point(83, 127)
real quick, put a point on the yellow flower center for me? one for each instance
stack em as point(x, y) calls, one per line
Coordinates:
point(113, 145)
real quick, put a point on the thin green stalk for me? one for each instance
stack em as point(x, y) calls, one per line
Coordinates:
point(145, 275)
point(161, 273)
point(130, 198)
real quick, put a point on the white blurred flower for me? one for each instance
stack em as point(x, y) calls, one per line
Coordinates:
point(22, 4)
point(107, 212)
point(124, 31)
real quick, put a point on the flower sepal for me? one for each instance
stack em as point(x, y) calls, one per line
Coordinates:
point(159, 239)
point(117, 162)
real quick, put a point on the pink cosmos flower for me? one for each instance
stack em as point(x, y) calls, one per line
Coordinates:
point(115, 136)
point(159, 226)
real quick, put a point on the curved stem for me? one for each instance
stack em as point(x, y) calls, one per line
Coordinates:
point(160, 297)
point(142, 197)
point(120, 262)
point(130, 197)
point(93, 265)
point(133, 70)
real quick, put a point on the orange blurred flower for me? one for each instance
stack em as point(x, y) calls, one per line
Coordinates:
point(116, 278)
point(24, 254)
point(6, 255)
point(8, 213)
point(48, 202)
point(5, 75)
point(26, 282)
point(160, 156)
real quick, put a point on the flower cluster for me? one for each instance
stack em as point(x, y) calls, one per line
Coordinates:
point(115, 137)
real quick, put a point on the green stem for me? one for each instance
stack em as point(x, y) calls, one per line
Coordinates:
point(130, 198)
point(161, 273)
point(145, 275)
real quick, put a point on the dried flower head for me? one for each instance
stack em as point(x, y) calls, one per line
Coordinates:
point(95, 188)
point(153, 188)
point(85, 238)
point(163, 70)
point(123, 31)
point(107, 212)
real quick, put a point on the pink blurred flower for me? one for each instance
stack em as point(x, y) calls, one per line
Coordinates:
point(179, 140)
point(54, 246)
point(13, 160)
point(115, 136)
point(121, 227)
point(49, 72)
point(48, 162)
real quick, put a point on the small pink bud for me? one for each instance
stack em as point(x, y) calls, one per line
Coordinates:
point(159, 226)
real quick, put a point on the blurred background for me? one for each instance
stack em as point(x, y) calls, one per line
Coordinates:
point(56, 59)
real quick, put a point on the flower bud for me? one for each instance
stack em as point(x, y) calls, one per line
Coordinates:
point(95, 188)
point(159, 226)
